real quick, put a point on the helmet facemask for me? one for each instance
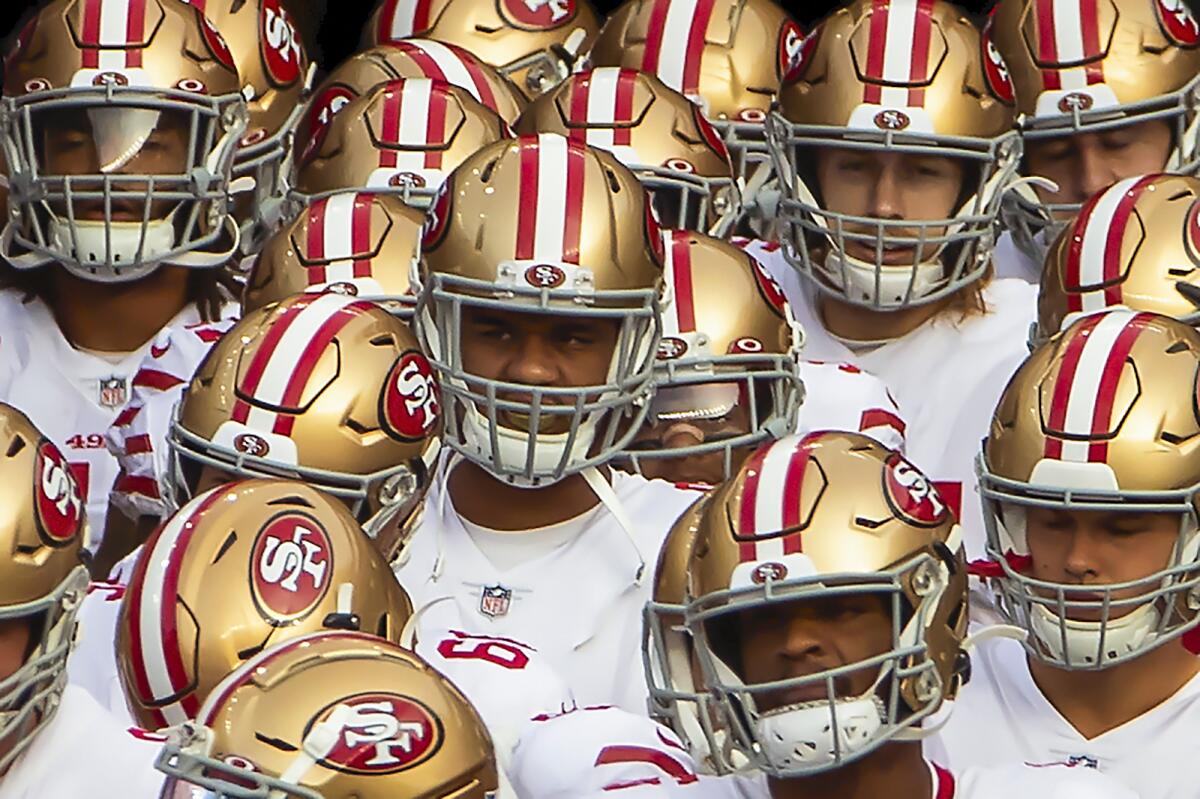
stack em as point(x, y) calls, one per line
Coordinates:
point(535, 435)
point(113, 181)
point(789, 739)
point(947, 254)
point(1120, 621)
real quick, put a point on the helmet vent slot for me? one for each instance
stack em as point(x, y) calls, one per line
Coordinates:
point(15, 446)
point(229, 541)
point(292, 499)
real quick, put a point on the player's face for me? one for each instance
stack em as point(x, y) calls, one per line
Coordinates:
point(1097, 548)
point(806, 637)
point(1087, 163)
point(211, 477)
point(14, 644)
point(537, 350)
point(889, 186)
point(114, 141)
point(686, 416)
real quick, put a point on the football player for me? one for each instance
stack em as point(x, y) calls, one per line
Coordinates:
point(728, 57)
point(730, 375)
point(1136, 244)
point(1090, 483)
point(120, 124)
point(893, 142)
point(539, 301)
point(334, 715)
point(827, 593)
point(1105, 90)
point(46, 724)
point(662, 137)
point(534, 43)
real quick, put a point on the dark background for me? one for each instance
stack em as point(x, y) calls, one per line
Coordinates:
point(332, 27)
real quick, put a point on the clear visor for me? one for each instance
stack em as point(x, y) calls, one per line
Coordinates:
point(702, 402)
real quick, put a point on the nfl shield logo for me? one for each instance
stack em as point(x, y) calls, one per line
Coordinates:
point(113, 392)
point(495, 600)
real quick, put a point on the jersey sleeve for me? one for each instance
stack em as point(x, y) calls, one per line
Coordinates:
point(840, 396)
point(138, 436)
point(92, 664)
point(598, 751)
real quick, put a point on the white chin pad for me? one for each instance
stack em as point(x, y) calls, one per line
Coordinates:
point(806, 737)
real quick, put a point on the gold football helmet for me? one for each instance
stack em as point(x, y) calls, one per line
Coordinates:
point(361, 244)
point(541, 224)
point(42, 578)
point(322, 388)
point(236, 570)
point(1136, 244)
point(331, 716)
point(940, 99)
point(824, 516)
point(534, 43)
point(1105, 64)
point(727, 372)
point(727, 56)
point(662, 138)
point(402, 136)
point(274, 67)
point(410, 58)
point(1101, 418)
point(119, 124)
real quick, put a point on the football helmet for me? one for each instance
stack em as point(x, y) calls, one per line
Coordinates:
point(662, 138)
point(824, 516)
point(1105, 64)
point(410, 58)
point(727, 367)
point(541, 224)
point(322, 388)
point(42, 578)
point(1101, 417)
point(119, 125)
point(333, 715)
point(534, 43)
point(361, 244)
point(277, 76)
point(403, 136)
point(1136, 244)
point(240, 568)
point(940, 99)
point(727, 56)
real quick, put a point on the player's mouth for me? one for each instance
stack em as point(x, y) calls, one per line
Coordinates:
point(890, 255)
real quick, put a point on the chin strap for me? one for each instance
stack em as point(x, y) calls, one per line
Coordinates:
point(604, 492)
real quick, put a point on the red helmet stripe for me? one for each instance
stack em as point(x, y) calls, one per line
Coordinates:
point(1062, 386)
point(527, 216)
point(654, 35)
point(577, 111)
point(315, 240)
point(1106, 395)
point(918, 69)
point(90, 35)
point(435, 125)
point(623, 110)
point(748, 550)
point(576, 170)
point(392, 106)
point(400, 19)
point(793, 483)
point(135, 31)
point(360, 234)
point(695, 46)
point(680, 260)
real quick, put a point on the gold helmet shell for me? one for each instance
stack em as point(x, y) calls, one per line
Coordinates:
point(542, 222)
point(402, 136)
point(1102, 417)
point(729, 341)
point(534, 43)
point(662, 137)
point(238, 569)
point(942, 99)
point(819, 517)
point(335, 715)
point(728, 56)
point(360, 244)
point(319, 387)
point(1136, 244)
point(43, 531)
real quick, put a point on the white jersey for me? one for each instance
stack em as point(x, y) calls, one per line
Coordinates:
point(507, 681)
point(946, 377)
point(840, 396)
point(580, 604)
point(84, 753)
point(137, 437)
point(597, 751)
point(1000, 782)
point(1011, 261)
point(71, 395)
point(1002, 716)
